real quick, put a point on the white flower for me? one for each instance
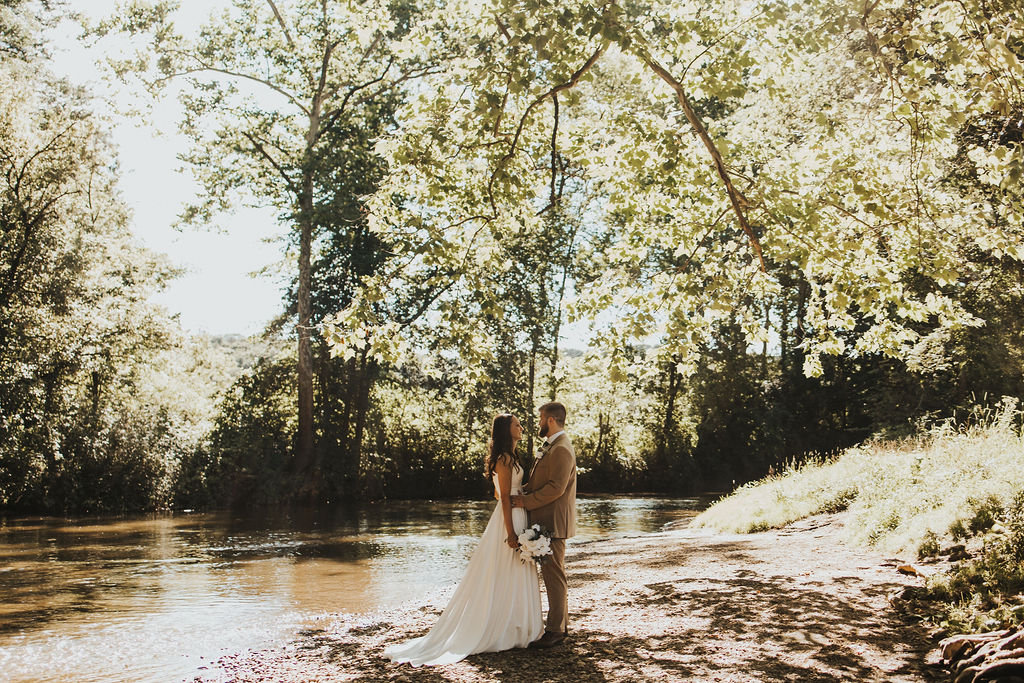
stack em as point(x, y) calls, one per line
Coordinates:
point(534, 543)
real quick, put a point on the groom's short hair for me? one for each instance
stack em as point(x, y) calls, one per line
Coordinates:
point(555, 410)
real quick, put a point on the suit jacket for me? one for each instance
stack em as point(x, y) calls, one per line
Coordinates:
point(551, 491)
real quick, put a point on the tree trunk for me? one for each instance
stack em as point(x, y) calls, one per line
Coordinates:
point(803, 293)
point(764, 345)
point(344, 426)
point(94, 418)
point(670, 409)
point(304, 452)
point(362, 408)
point(326, 390)
point(553, 380)
point(325, 404)
point(784, 320)
point(531, 426)
point(558, 315)
point(304, 447)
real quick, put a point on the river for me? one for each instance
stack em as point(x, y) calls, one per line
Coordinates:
point(152, 598)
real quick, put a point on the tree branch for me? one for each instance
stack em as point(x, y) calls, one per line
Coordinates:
point(554, 149)
point(721, 38)
point(689, 259)
point(454, 275)
point(876, 50)
point(501, 110)
point(369, 50)
point(38, 153)
point(412, 317)
point(266, 155)
point(573, 80)
point(30, 223)
point(739, 202)
point(227, 72)
point(332, 116)
point(315, 131)
point(280, 20)
point(501, 27)
point(354, 89)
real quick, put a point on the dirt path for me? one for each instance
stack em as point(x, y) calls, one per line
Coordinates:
point(681, 605)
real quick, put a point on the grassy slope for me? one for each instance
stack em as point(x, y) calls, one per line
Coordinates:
point(898, 494)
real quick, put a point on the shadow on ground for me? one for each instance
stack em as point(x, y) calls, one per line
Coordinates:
point(724, 613)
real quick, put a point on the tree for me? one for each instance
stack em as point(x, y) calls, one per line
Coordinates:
point(751, 142)
point(263, 88)
point(345, 254)
point(21, 36)
point(82, 425)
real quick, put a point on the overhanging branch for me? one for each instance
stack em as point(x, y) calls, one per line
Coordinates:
point(571, 83)
point(739, 202)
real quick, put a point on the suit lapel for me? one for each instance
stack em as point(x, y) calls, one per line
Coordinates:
point(536, 462)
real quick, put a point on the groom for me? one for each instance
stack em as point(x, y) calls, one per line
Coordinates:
point(551, 500)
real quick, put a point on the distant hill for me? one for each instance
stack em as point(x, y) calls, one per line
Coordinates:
point(242, 350)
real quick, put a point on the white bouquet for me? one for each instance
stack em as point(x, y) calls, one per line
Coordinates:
point(535, 544)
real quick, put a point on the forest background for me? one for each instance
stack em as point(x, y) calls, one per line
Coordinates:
point(795, 226)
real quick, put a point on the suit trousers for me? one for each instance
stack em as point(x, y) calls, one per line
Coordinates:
point(556, 585)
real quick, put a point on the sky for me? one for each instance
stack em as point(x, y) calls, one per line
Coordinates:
point(218, 293)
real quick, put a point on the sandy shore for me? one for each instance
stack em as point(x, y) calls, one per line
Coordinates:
point(681, 605)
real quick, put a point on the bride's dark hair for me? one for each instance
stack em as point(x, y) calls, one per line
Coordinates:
point(500, 446)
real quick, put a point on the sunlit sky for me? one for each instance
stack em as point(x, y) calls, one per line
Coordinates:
point(219, 293)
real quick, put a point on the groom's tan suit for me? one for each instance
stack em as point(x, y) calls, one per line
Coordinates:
point(551, 500)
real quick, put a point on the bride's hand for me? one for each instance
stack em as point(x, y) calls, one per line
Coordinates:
point(512, 541)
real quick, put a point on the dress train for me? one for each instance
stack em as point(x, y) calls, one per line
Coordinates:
point(495, 607)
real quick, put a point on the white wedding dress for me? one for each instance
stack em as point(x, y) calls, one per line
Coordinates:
point(495, 607)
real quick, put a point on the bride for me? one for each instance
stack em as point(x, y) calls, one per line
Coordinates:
point(496, 606)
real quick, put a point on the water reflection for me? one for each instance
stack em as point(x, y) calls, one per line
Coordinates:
point(150, 598)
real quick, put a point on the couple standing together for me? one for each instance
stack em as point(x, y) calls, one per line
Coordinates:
point(496, 606)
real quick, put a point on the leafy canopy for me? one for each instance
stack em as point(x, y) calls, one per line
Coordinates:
point(829, 131)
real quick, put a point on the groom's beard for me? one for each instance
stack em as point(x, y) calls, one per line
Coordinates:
point(544, 431)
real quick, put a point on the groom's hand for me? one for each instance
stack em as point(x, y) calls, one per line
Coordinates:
point(517, 501)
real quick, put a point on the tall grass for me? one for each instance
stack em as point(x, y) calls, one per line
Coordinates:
point(898, 495)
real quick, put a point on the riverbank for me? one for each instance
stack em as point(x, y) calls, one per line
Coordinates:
point(952, 498)
point(793, 604)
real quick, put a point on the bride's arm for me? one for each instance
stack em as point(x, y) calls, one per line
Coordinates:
point(503, 468)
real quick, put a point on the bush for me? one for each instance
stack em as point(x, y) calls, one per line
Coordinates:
point(248, 452)
point(983, 593)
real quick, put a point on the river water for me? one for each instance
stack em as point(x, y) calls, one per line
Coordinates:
point(153, 598)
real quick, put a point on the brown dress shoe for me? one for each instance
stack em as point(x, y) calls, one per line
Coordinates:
point(549, 639)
